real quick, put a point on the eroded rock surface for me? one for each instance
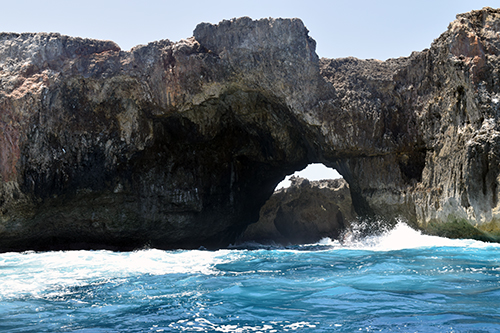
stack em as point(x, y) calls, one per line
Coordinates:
point(180, 144)
point(303, 213)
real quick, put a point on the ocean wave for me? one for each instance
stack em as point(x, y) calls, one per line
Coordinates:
point(35, 274)
point(401, 237)
point(32, 273)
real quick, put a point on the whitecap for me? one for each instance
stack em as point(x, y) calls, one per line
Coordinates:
point(36, 273)
point(403, 237)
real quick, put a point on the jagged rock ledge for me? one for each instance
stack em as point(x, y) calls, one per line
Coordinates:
point(178, 145)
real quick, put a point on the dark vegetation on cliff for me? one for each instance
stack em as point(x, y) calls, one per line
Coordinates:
point(178, 145)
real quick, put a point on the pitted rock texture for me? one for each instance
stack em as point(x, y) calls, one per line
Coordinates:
point(180, 144)
point(303, 213)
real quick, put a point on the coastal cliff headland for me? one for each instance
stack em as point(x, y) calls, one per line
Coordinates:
point(179, 145)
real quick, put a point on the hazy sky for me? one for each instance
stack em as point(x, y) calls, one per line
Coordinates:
point(361, 28)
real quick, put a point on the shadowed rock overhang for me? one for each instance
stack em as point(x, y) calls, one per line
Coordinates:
point(178, 145)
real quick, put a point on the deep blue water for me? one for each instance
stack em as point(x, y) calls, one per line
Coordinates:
point(398, 282)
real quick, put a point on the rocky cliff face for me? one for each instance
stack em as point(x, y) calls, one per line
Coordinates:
point(180, 144)
point(303, 213)
point(431, 151)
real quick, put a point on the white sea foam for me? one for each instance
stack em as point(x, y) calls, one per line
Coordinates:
point(403, 237)
point(33, 273)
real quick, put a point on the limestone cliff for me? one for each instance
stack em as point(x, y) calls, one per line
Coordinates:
point(180, 144)
point(305, 212)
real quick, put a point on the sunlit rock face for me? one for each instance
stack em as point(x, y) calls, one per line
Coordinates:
point(178, 145)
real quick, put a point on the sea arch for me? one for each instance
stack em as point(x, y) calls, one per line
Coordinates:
point(179, 144)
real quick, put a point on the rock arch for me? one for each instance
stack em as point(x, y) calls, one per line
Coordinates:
point(180, 144)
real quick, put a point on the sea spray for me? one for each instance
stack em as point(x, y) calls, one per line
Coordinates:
point(400, 237)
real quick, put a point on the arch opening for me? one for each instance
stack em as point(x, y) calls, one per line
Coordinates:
point(311, 204)
point(314, 171)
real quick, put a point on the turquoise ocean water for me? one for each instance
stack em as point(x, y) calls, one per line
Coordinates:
point(400, 281)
